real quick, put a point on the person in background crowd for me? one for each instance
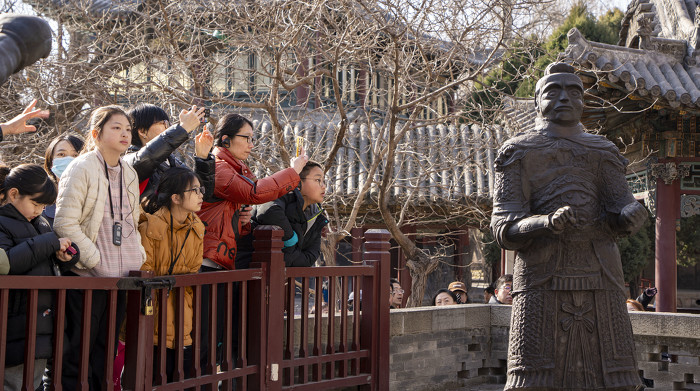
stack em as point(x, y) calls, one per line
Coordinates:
point(172, 234)
point(33, 249)
point(489, 291)
point(647, 296)
point(60, 152)
point(444, 297)
point(18, 124)
point(460, 290)
point(153, 143)
point(634, 305)
point(300, 216)
point(396, 294)
point(98, 208)
point(227, 217)
point(504, 285)
point(351, 301)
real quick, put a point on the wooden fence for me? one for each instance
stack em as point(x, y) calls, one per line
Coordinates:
point(268, 341)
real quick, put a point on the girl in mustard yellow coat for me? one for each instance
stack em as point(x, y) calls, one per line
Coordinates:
point(172, 236)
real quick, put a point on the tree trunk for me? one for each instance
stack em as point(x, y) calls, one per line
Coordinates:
point(420, 265)
point(329, 247)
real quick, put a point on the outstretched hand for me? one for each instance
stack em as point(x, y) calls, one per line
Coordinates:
point(190, 119)
point(298, 163)
point(19, 125)
point(203, 143)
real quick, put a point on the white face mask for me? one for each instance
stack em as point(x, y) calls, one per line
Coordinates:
point(60, 165)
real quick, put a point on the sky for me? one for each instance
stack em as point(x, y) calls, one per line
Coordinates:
point(621, 4)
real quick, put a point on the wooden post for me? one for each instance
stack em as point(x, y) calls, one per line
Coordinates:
point(30, 340)
point(138, 363)
point(667, 210)
point(268, 252)
point(375, 308)
point(257, 320)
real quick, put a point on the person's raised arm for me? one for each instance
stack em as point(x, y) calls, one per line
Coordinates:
point(19, 125)
point(151, 155)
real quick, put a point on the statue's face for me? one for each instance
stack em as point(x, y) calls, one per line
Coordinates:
point(561, 99)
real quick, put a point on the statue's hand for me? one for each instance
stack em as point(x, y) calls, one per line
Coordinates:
point(633, 216)
point(563, 218)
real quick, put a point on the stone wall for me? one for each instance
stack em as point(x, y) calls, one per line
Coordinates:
point(668, 349)
point(451, 348)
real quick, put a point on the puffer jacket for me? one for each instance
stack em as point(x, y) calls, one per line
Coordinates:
point(156, 239)
point(31, 248)
point(82, 195)
point(154, 158)
point(287, 213)
point(236, 186)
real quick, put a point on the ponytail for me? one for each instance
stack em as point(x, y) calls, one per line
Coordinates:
point(31, 180)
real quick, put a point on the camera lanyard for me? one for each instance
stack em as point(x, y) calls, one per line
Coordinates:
point(121, 195)
point(174, 258)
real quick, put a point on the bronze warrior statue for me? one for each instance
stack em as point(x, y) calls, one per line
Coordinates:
point(560, 200)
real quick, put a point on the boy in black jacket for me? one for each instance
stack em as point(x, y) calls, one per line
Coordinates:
point(299, 214)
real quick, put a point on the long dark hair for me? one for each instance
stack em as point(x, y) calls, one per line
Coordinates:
point(174, 181)
point(29, 180)
point(75, 141)
point(229, 125)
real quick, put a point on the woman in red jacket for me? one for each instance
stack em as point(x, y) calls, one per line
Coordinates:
point(236, 186)
point(228, 217)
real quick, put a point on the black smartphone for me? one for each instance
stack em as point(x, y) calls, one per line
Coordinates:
point(207, 114)
point(117, 234)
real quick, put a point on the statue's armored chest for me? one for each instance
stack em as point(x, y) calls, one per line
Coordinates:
point(567, 174)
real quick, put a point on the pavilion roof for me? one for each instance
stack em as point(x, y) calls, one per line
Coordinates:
point(662, 74)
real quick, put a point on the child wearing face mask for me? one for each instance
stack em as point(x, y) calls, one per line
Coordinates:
point(59, 154)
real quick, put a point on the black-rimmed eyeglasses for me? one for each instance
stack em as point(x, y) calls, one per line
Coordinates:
point(250, 138)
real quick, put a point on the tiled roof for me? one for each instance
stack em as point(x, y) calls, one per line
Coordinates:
point(672, 19)
point(433, 162)
point(519, 114)
point(655, 75)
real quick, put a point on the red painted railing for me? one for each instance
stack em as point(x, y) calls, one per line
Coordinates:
point(338, 349)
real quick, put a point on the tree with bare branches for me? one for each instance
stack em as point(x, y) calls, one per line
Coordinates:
point(375, 87)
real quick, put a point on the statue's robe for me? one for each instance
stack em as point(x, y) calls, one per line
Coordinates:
point(569, 329)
